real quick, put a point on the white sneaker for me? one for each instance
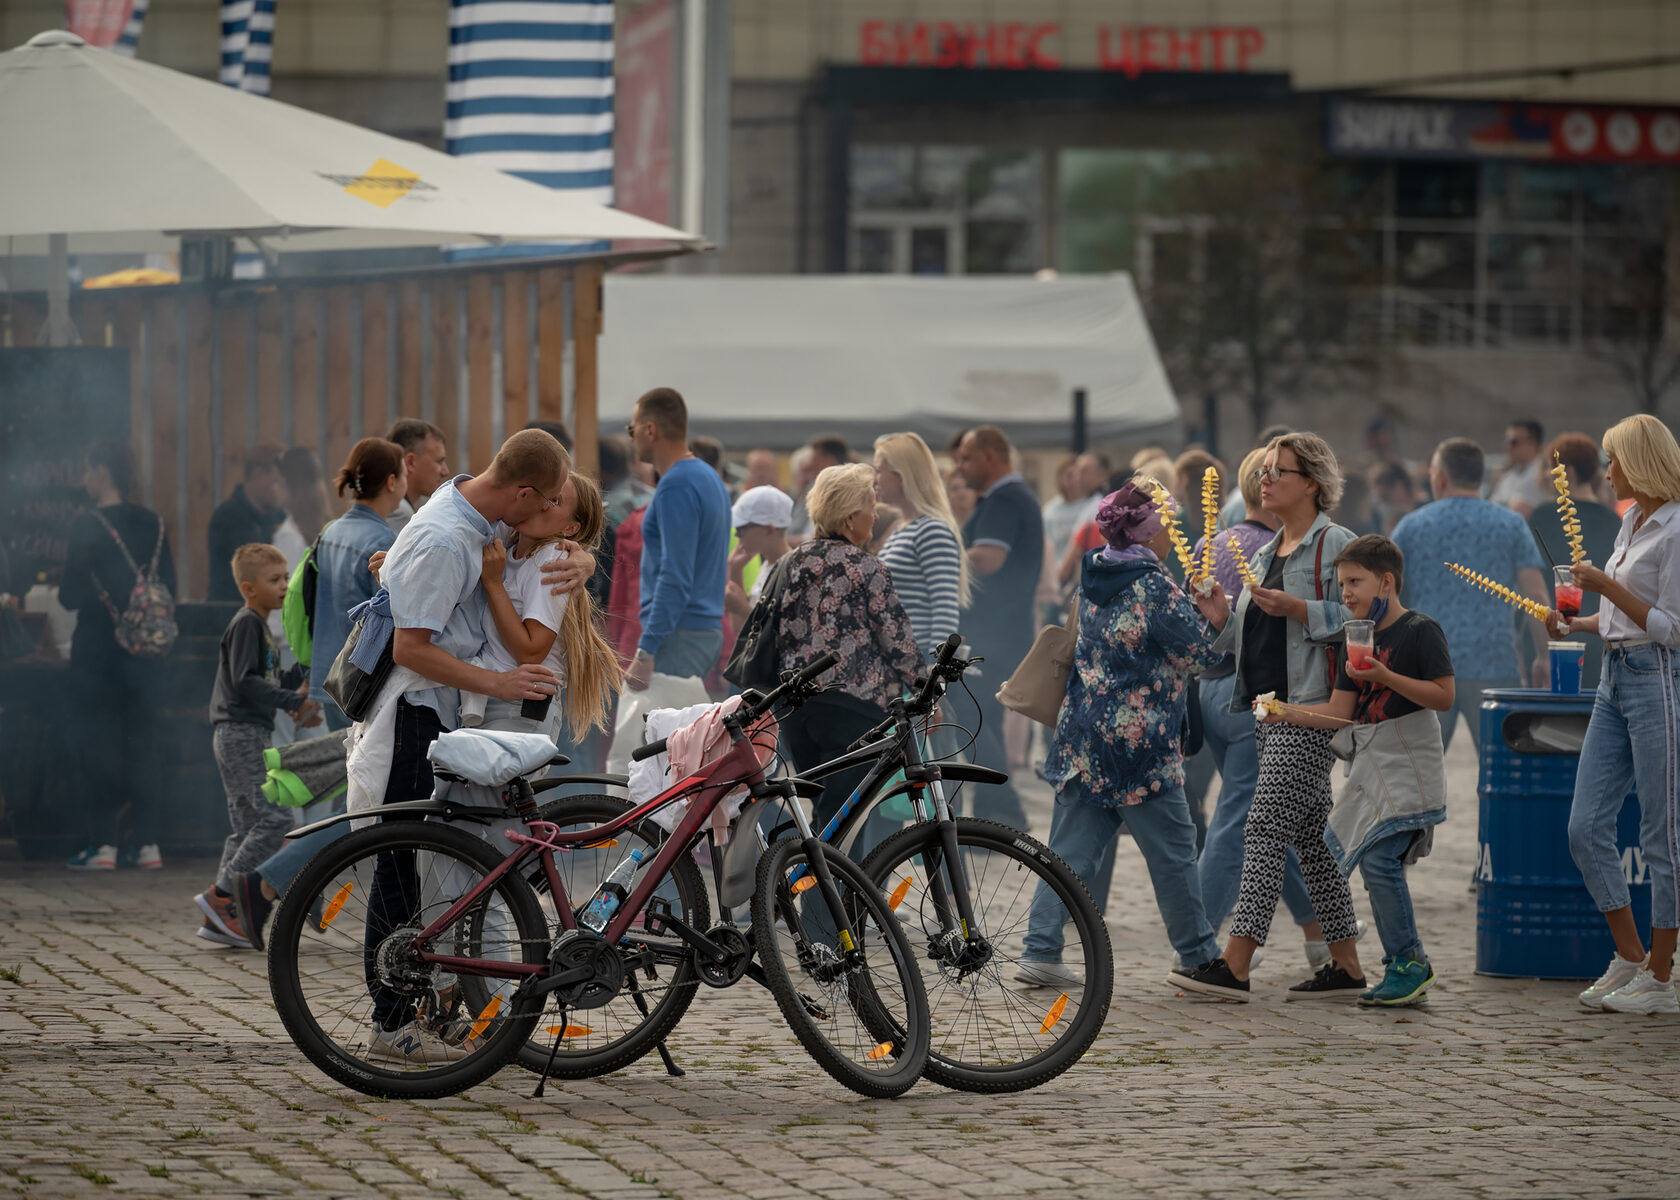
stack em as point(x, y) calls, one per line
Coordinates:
point(95, 858)
point(1318, 953)
point(412, 1045)
point(150, 858)
point(1620, 973)
point(1644, 993)
point(210, 933)
point(1049, 975)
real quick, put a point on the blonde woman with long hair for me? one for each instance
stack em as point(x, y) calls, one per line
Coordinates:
point(533, 626)
point(924, 555)
point(1634, 735)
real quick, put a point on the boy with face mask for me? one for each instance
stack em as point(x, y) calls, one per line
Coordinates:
point(1392, 737)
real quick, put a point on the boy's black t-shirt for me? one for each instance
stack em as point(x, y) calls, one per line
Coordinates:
point(250, 686)
point(1413, 646)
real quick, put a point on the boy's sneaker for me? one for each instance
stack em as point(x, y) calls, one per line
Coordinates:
point(413, 1045)
point(1331, 983)
point(1644, 993)
point(1318, 953)
point(221, 914)
point(94, 858)
point(1049, 975)
point(1619, 974)
point(210, 933)
point(1403, 983)
point(1212, 978)
point(251, 905)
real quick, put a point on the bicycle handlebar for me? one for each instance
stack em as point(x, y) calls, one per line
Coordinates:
point(793, 683)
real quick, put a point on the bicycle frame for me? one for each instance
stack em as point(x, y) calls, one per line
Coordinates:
point(705, 790)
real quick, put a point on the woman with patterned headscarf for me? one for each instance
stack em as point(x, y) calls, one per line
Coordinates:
point(1117, 756)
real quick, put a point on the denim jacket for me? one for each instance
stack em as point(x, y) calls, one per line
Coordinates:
point(345, 581)
point(1309, 669)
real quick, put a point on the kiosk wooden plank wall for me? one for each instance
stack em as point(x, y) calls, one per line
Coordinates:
point(478, 353)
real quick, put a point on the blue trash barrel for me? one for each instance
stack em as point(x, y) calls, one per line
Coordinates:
point(1534, 916)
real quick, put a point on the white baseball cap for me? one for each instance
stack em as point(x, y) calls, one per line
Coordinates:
point(764, 505)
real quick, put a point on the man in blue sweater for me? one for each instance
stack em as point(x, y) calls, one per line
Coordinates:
point(685, 548)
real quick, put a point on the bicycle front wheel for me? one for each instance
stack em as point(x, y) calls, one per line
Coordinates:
point(1000, 1022)
point(345, 969)
point(860, 1011)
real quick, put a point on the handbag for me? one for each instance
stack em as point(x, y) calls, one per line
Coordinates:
point(353, 689)
point(754, 663)
point(1039, 685)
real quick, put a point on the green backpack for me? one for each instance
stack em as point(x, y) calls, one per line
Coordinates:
point(297, 614)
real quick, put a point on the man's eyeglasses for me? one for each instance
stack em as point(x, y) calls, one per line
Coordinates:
point(548, 502)
point(1273, 474)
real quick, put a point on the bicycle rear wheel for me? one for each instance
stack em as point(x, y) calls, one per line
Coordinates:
point(991, 1032)
point(601, 1040)
point(348, 983)
point(861, 1013)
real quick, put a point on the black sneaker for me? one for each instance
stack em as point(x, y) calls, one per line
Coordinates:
point(1212, 978)
point(252, 906)
point(1331, 983)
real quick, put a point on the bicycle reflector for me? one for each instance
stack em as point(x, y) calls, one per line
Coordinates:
point(898, 894)
point(485, 1017)
point(1055, 1013)
point(803, 884)
point(570, 1031)
point(335, 907)
point(880, 1052)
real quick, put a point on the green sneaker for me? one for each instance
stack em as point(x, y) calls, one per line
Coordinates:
point(1404, 982)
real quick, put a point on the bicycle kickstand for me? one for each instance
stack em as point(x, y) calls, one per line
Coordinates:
point(671, 1067)
point(560, 1032)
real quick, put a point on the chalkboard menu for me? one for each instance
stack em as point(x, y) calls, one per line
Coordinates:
point(54, 404)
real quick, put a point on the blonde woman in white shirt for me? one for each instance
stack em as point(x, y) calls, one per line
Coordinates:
point(1634, 736)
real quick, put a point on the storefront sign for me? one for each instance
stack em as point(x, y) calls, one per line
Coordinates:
point(1020, 46)
point(1445, 129)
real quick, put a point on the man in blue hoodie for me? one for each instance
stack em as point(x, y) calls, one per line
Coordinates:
point(685, 548)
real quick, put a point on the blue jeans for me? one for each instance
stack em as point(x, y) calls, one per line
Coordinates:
point(281, 867)
point(1229, 737)
point(1634, 739)
point(1085, 835)
point(689, 653)
point(1384, 872)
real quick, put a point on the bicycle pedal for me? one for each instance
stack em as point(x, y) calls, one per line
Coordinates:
point(656, 917)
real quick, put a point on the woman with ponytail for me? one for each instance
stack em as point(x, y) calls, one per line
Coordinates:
point(375, 480)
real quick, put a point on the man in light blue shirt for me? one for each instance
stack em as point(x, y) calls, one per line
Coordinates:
point(437, 605)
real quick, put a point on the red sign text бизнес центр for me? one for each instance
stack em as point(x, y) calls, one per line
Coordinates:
point(1021, 46)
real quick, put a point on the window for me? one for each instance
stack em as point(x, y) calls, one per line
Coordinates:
point(936, 210)
point(1435, 191)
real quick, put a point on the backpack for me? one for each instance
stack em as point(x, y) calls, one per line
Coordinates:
point(297, 614)
point(146, 628)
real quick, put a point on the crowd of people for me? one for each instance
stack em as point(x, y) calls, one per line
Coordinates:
point(533, 580)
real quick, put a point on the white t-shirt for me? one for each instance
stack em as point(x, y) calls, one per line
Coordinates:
point(1522, 483)
point(522, 577)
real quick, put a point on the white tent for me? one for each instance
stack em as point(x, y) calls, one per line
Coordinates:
point(773, 360)
point(125, 156)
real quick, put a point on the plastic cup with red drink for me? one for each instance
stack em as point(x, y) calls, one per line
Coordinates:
point(1568, 592)
point(1361, 644)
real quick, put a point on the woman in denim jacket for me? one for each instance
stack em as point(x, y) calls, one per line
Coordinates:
point(376, 479)
point(1279, 633)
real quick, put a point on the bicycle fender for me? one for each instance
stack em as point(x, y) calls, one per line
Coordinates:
point(971, 773)
point(446, 809)
point(740, 856)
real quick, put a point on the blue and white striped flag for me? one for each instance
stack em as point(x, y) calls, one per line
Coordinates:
point(247, 44)
point(531, 91)
point(130, 36)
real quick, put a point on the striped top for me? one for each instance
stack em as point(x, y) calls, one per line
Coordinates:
point(924, 559)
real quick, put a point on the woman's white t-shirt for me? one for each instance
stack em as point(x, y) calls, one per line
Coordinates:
point(522, 577)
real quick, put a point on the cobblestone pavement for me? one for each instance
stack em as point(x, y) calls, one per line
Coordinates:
point(135, 1059)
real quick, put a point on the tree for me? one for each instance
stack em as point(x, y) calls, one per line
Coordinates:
point(1261, 307)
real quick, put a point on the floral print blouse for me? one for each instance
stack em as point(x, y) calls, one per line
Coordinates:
point(840, 598)
point(1140, 640)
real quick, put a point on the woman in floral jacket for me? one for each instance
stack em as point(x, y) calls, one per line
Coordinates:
point(1117, 756)
point(837, 596)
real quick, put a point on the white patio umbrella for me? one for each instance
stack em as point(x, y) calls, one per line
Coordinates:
point(121, 155)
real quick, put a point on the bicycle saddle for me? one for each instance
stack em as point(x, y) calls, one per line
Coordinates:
point(492, 757)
